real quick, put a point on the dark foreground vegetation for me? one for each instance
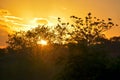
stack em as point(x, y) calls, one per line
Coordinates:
point(85, 55)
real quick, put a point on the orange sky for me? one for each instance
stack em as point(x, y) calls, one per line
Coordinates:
point(24, 11)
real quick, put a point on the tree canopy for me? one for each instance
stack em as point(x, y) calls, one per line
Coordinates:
point(90, 30)
point(75, 50)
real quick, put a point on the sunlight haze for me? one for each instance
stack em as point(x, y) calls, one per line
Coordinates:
point(27, 14)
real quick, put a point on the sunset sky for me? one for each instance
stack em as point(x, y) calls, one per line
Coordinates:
point(15, 14)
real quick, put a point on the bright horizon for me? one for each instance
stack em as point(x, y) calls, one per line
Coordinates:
point(30, 13)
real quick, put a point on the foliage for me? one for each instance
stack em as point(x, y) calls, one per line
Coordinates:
point(89, 30)
point(89, 63)
point(27, 40)
point(76, 50)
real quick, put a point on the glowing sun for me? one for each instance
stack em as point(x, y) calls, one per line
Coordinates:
point(42, 42)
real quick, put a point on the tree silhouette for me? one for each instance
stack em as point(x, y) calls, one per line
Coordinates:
point(79, 48)
point(90, 28)
point(22, 41)
point(89, 58)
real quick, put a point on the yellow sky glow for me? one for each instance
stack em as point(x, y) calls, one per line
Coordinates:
point(26, 14)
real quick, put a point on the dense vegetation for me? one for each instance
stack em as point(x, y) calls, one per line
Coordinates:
point(75, 51)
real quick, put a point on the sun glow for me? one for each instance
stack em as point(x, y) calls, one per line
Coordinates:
point(40, 21)
point(42, 42)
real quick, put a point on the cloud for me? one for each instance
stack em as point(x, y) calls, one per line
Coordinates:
point(13, 18)
point(10, 23)
point(4, 12)
point(40, 21)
